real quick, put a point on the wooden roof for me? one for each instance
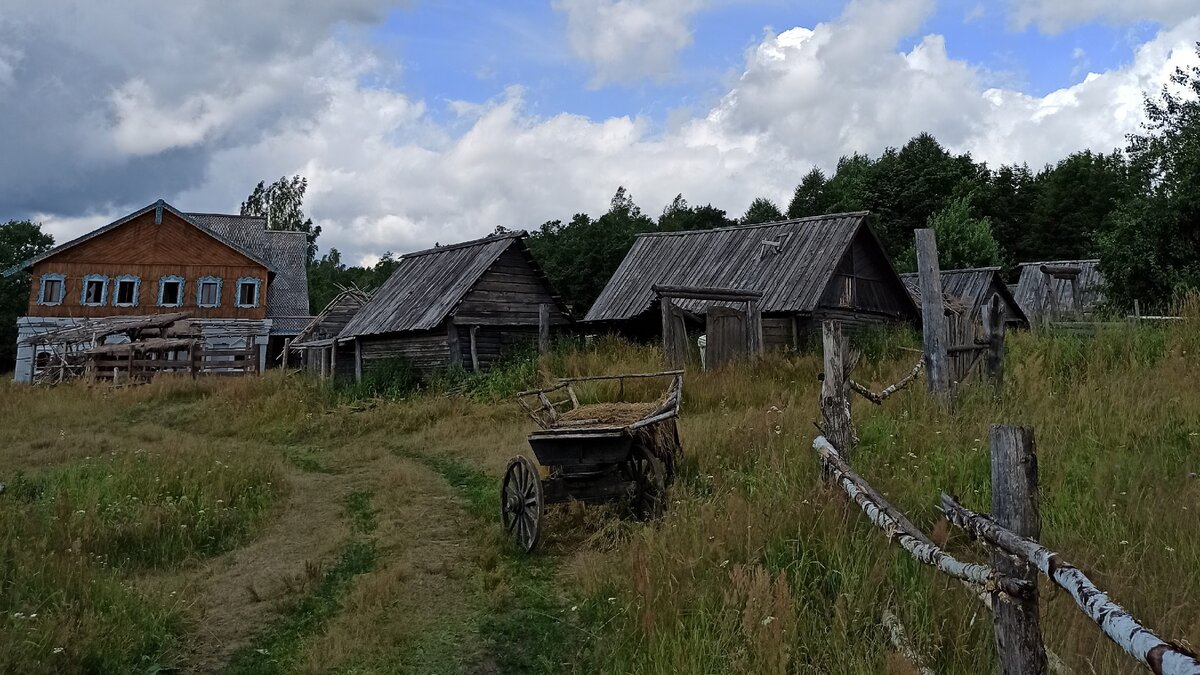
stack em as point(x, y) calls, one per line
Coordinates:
point(790, 261)
point(428, 285)
point(969, 289)
point(326, 325)
point(1091, 286)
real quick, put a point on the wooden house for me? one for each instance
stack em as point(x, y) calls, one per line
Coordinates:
point(242, 285)
point(967, 291)
point(314, 345)
point(465, 304)
point(1060, 290)
point(806, 270)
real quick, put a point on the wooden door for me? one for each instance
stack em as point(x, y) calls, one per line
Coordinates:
point(727, 337)
point(675, 337)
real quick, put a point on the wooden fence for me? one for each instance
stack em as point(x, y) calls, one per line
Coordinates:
point(1008, 585)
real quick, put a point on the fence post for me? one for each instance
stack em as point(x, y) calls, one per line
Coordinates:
point(993, 325)
point(543, 328)
point(1015, 506)
point(933, 314)
point(835, 389)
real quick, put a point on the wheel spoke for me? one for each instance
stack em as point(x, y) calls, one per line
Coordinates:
point(530, 500)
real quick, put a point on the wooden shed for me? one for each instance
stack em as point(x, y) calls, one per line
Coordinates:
point(969, 290)
point(807, 270)
point(1059, 290)
point(465, 304)
point(314, 345)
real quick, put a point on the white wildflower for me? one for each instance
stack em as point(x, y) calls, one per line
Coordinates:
point(56, 650)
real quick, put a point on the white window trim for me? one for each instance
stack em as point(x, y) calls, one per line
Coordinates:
point(200, 289)
point(166, 280)
point(237, 298)
point(62, 289)
point(88, 278)
point(137, 290)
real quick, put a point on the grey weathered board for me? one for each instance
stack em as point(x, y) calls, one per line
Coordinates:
point(726, 332)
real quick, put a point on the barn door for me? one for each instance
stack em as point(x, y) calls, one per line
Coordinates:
point(727, 336)
point(675, 337)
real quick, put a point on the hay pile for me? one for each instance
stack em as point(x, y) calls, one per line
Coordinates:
point(614, 414)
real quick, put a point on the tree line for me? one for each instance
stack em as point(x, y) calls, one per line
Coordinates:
point(1137, 209)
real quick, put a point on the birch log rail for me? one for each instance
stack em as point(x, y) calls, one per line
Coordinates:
point(881, 514)
point(1159, 655)
point(881, 396)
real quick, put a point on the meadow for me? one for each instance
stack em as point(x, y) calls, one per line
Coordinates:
point(278, 524)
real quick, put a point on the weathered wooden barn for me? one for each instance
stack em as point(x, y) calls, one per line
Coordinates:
point(1060, 290)
point(969, 290)
point(244, 287)
point(807, 270)
point(313, 347)
point(465, 304)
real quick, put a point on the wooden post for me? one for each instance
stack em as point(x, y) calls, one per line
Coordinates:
point(933, 314)
point(1076, 303)
point(993, 326)
point(543, 328)
point(452, 342)
point(357, 360)
point(668, 337)
point(1137, 310)
point(1015, 506)
point(835, 390)
point(754, 326)
point(474, 350)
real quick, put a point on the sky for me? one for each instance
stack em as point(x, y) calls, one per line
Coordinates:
point(428, 121)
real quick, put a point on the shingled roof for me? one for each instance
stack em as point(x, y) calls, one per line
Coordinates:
point(1091, 286)
point(427, 285)
point(969, 288)
point(792, 276)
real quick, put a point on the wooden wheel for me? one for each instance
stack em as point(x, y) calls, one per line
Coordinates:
point(649, 500)
point(521, 503)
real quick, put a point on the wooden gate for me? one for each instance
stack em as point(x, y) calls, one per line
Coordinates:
point(675, 336)
point(727, 330)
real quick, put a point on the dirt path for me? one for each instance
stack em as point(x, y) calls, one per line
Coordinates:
point(240, 592)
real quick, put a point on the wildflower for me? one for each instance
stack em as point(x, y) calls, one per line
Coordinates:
point(574, 607)
point(56, 650)
point(767, 621)
point(912, 455)
point(33, 616)
point(724, 563)
point(1169, 549)
point(1124, 542)
point(18, 615)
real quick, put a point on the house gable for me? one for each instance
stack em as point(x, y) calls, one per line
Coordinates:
point(509, 293)
point(865, 281)
point(140, 241)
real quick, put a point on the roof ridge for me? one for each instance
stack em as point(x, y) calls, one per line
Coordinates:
point(1067, 260)
point(774, 223)
point(223, 215)
point(516, 234)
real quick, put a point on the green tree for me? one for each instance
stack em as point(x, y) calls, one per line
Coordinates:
point(1074, 198)
point(962, 239)
point(679, 215)
point(762, 210)
point(811, 197)
point(1009, 201)
point(1150, 250)
point(282, 204)
point(20, 240)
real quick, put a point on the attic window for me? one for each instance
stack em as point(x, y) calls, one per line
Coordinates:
point(52, 289)
point(770, 247)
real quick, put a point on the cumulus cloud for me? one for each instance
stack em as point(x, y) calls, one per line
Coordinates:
point(1053, 16)
point(625, 40)
point(386, 173)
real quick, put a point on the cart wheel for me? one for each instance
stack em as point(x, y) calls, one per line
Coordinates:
point(650, 500)
point(521, 503)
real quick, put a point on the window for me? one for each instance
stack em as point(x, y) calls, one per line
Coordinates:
point(95, 290)
point(52, 290)
point(170, 291)
point(247, 294)
point(126, 294)
point(208, 292)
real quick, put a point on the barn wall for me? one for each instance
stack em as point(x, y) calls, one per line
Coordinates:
point(149, 251)
point(509, 293)
point(864, 283)
point(493, 343)
point(427, 351)
point(777, 332)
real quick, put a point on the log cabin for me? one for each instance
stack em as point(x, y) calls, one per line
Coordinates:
point(969, 290)
point(241, 284)
point(467, 304)
point(314, 345)
point(807, 270)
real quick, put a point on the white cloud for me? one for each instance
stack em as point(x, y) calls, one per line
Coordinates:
point(385, 174)
point(1053, 16)
point(626, 40)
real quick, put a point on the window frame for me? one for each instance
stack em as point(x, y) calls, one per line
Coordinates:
point(172, 278)
point(62, 289)
point(88, 279)
point(237, 298)
point(200, 291)
point(137, 290)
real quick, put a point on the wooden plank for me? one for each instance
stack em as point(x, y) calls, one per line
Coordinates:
point(1015, 506)
point(474, 349)
point(701, 293)
point(933, 315)
point(835, 390)
point(994, 327)
point(543, 328)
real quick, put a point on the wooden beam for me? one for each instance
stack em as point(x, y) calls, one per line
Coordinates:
point(474, 349)
point(933, 318)
point(701, 293)
point(835, 389)
point(1015, 506)
point(993, 329)
point(543, 328)
point(452, 342)
point(357, 360)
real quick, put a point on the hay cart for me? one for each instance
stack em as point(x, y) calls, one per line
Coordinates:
point(593, 453)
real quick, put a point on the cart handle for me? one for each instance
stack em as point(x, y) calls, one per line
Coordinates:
point(566, 380)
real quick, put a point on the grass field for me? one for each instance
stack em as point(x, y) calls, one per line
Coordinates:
point(263, 525)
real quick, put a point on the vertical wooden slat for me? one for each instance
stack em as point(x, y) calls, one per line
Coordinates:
point(1015, 506)
point(474, 350)
point(452, 342)
point(543, 328)
point(835, 389)
point(993, 325)
point(357, 360)
point(933, 314)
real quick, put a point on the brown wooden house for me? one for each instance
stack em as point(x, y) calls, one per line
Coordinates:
point(241, 284)
point(465, 304)
point(807, 270)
